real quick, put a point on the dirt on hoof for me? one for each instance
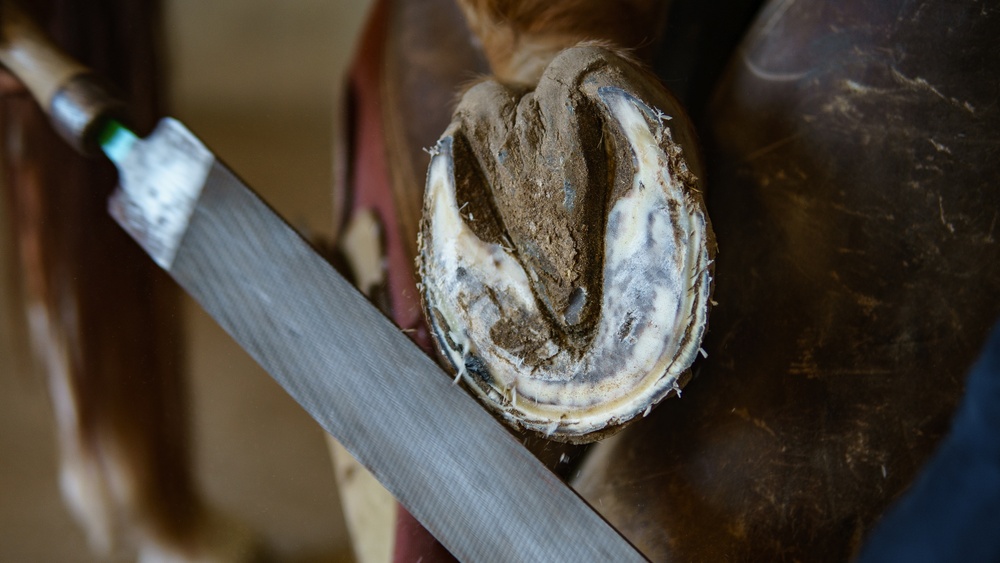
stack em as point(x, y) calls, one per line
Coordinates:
point(565, 252)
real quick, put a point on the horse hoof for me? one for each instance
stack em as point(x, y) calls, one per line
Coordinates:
point(565, 251)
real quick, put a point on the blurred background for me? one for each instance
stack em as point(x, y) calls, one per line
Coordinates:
point(258, 81)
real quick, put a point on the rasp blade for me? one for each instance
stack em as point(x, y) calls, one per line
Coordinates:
point(467, 480)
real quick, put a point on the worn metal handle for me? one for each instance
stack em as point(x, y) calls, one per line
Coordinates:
point(77, 103)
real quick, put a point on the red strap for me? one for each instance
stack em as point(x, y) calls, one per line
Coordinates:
point(371, 190)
